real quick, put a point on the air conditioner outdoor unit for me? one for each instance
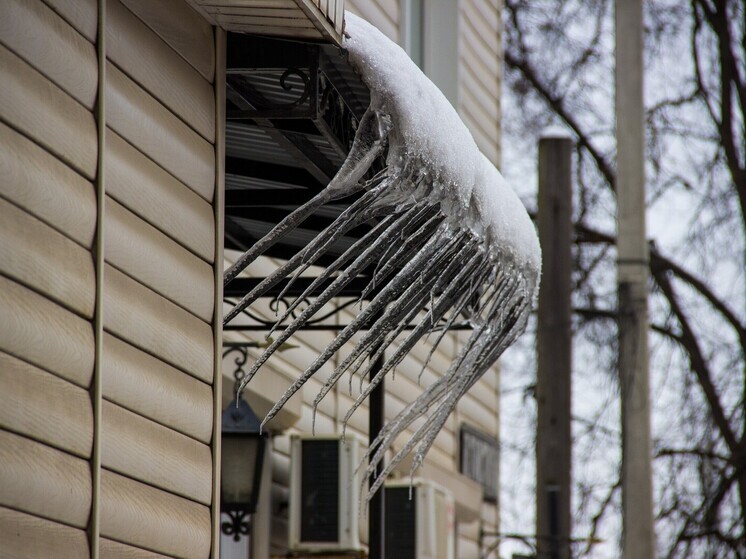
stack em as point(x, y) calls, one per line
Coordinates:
point(420, 527)
point(325, 494)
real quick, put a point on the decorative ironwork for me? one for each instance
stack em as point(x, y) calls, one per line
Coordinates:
point(338, 123)
point(318, 322)
point(238, 525)
point(240, 360)
point(256, 88)
point(288, 86)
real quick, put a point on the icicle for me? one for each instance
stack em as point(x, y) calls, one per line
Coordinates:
point(450, 240)
point(369, 142)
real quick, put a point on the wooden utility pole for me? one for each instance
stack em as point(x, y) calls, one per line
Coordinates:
point(554, 347)
point(638, 540)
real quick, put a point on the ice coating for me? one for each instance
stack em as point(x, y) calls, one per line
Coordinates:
point(450, 241)
point(428, 127)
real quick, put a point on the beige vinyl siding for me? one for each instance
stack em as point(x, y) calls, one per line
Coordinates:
point(384, 14)
point(151, 388)
point(43, 333)
point(158, 197)
point(157, 366)
point(40, 37)
point(43, 481)
point(34, 254)
point(155, 520)
point(480, 77)
point(25, 536)
point(182, 28)
point(158, 349)
point(37, 107)
point(45, 407)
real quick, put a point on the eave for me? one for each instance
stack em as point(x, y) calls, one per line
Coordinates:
point(321, 20)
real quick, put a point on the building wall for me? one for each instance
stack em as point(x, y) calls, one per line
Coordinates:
point(106, 426)
point(480, 72)
point(478, 103)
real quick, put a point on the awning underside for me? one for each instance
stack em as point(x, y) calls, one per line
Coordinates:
point(292, 109)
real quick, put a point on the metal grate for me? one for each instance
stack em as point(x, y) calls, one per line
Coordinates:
point(401, 523)
point(319, 491)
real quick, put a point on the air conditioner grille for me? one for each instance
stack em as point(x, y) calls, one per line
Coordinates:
point(320, 491)
point(401, 523)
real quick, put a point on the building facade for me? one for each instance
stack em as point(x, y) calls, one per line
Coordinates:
point(112, 211)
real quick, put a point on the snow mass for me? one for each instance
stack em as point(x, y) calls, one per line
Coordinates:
point(428, 127)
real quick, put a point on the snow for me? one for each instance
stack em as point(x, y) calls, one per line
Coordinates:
point(556, 132)
point(428, 128)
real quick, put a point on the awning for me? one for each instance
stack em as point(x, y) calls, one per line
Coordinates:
point(292, 111)
point(303, 19)
point(446, 239)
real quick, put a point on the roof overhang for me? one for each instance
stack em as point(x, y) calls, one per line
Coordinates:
point(321, 20)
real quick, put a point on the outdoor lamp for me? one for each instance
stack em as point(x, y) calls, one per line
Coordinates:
point(242, 457)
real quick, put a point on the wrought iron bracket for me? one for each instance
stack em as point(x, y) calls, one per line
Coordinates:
point(239, 524)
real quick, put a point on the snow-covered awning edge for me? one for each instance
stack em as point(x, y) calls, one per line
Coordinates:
point(429, 130)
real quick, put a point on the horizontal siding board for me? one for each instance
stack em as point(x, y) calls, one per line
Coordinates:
point(148, 60)
point(25, 536)
point(477, 95)
point(391, 8)
point(483, 11)
point(468, 549)
point(293, 12)
point(298, 33)
point(149, 452)
point(158, 197)
point(484, 143)
point(47, 188)
point(41, 332)
point(477, 50)
point(51, 45)
point(81, 14)
point(265, 21)
point(109, 549)
point(479, 122)
point(150, 257)
point(373, 12)
point(476, 75)
point(321, 425)
point(281, 469)
point(148, 386)
point(40, 480)
point(481, 30)
point(34, 254)
point(149, 518)
point(44, 407)
point(34, 105)
point(139, 315)
point(154, 130)
point(182, 28)
point(477, 415)
point(484, 393)
point(248, 3)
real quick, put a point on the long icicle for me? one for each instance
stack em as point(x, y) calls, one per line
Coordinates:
point(442, 306)
point(384, 297)
point(369, 143)
point(368, 255)
point(390, 320)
